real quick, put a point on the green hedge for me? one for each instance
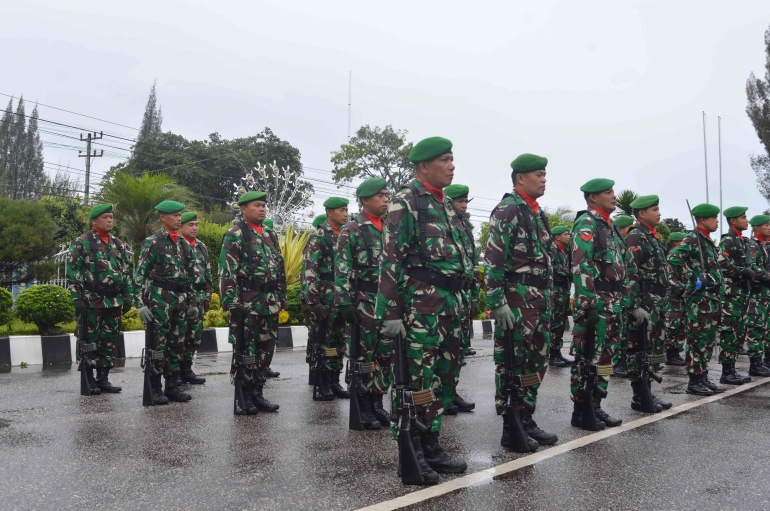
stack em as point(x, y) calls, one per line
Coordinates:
point(211, 235)
point(6, 307)
point(296, 314)
point(45, 306)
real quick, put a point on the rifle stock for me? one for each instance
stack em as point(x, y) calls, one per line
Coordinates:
point(513, 397)
point(647, 405)
point(241, 361)
point(589, 372)
point(85, 362)
point(320, 365)
point(148, 356)
point(356, 370)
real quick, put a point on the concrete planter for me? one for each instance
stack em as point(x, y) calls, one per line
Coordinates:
point(56, 348)
point(208, 341)
point(5, 351)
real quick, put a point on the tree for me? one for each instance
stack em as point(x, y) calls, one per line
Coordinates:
point(64, 185)
point(664, 231)
point(481, 243)
point(26, 238)
point(674, 225)
point(562, 215)
point(21, 155)
point(375, 152)
point(758, 110)
point(150, 128)
point(33, 180)
point(16, 152)
point(70, 216)
point(623, 202)
point(6, 123)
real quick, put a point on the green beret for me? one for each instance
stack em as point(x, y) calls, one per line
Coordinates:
point(188, 216)
point(268, 222)
point(170, 206)
point(623, 221)
point(319, 220)
point(735, 211)
point(100, 209)
point(597, 185)
point(429, 148)
point(645, 201)
point(758, 220)
point(705, 211)
point(677, 236)
point(251, 197)
point(559, 229)
point(526, 162)
point(337, 202)
point(371, 187)
point(456, 191)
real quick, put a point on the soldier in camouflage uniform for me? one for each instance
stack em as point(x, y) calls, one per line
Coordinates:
point(738, 277)
point(202, 287)
point(317, 293)
point(701, 287)
point(757, 321)
point(163, 280)
point(268, 224)
point(619, 359)
point(648, 278)
point(252, 283)
point(599, 262)
point(519, 278)
point(99, 281)
point(359, 252)
point(562, 283)
point(421, 295)
point(674, 313)
point(311, 334)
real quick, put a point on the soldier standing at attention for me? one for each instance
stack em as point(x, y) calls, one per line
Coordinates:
point(758, 323)
point(738, 277)
point(459, 195)
point(163, 279)
point(311, 333)
point(701, 284)
point(202, 287)
point(359, 253)
point(317, 292)
point(599, 273)
point(252, 283)
point(620, 360)
point(674, 313)
point(562, 283)
point(99, 281)
point(268, 224)
point(518, 277)
point(426, 269)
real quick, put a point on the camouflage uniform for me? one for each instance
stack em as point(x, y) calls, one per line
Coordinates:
point(202, 288)
point(431, 311)
point(648, 278)
point(674, 311)
point(252, 275)
point(758, 324)
point(562, 282)
point(163, 278)
point(99, 274)
point(471, 295)
point(702, 307)
point(518, 272)
point(599, 266)
point(735, 298)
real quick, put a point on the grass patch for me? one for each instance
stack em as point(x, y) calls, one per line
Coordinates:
point(18, 327)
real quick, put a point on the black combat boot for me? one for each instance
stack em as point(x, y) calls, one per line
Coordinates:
point(713, 387)
point(428, 474)
point(326, 392)
point(532, 444)
point(661, 402)
point(636, 400)
point(674, 358)
point(272, 374)
point(260, 402)
point(607, 419)
point(248, 403)
point(104, 383)
point(379, 412)
point(556, 360)
point(172, 390)
point(577, 417)
point(729, 376)
point(531, 429)
point(438, 459)
point(336, 388)
point(767, 359)
point(157, 391)
point(696, 386)
point(620, 369)
point(469, 352)
point(757, 368)
point(93, 385)
point(368, 419)
point(463, 405)
point(188, 376)
point(567, 359)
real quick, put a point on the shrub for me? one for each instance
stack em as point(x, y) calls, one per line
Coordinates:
point(482, 305)
point(295, 311)
point(6, 307)
point(283, 317)
point(211, 235)
point(215, 304)
point(131, 321)
point(216, 318)
point(45, 306)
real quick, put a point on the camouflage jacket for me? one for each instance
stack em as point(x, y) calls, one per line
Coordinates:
point(685, 263)
point(252, 273)
point(474, 293)
point(518, 246)
point(202, 283)
point(759, 259)
point(732, 259)
point(317, 276)
point(442, 251)
point(176, 268)
point(600, 264)
point(97, 273)
point(562, 276)
point(650, 269)
point(359, 252)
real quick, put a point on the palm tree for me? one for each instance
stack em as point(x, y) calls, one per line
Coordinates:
point(623, 202)
point(292, 247)
point(135, 200)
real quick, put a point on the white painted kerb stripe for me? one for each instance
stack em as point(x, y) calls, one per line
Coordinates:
point(490, 473)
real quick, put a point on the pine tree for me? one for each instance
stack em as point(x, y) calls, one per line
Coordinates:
point(5, 144)
point(151, 127)
point(17, 152)
point(33, 179)
point(758, 110)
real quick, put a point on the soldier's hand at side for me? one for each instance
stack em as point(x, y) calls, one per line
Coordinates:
point(80, 306)
point(748, 273)
point(319, 311)
point(350, 313)
point(146, 315)
point(393, 327)
point(592, 316)
point(192, 312)
point(503, 317)
point(640, 316)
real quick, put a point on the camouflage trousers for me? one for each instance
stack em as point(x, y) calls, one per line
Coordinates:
point(335, 338)
point(531, 339)
point(675, 326)
point(559, 315)
point(607, 335)
point(656, 329)
point(374, 347)
point(732, 332)
point(170, 328)
point(102, 331)
point(260, 335)
point(757, 327)
point(194, 334)
point(620, 346)
point(701, 334)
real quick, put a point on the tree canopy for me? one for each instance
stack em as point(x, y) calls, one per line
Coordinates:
point(758, 110)
point(26, 238)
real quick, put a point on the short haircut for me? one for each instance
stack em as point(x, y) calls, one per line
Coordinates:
point(587, 195)
point(636, 212)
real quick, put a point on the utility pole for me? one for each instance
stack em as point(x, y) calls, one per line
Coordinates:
point(719, 134)
point(705, 157)
point(90, 138)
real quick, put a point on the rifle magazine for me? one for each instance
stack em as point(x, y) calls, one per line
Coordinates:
point(603, 370)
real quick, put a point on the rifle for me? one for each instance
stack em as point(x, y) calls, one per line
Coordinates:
point(514, 396)
point(241, 361)
point(407, 401)
point(589, 373)
point(644, 364)
point(320, 367)
point(149, 355)
point(85, 363)
point(706, 275)
point(355, 371)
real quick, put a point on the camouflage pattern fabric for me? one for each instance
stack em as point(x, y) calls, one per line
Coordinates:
point(735, 298)
point(702, 307)
point(757, 321)
point(203, 287)
point(560, 295)
point(103, 325)
point(260, 333)
point(474, 293)
point(675, 333)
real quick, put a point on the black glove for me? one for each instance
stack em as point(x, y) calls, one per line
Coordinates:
point(80, 306)
point(748, 273)
point(126, 307)
point(236, 314)
point(350, 313)
point(592, 316)
point(318, 311)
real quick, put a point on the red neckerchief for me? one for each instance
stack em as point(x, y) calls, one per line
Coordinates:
point(737, 232)
point(105, 236)
point(652, 230)
point(703, 231)
point(439, 194)
point(336, 231)
point(376, 220)
point(560, 247)
point(531, 201)
point(173, 235)
point(256, 227)
point(604, 215)
point(191, 241)
point(760, 238)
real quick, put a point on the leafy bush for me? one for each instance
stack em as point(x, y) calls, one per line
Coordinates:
point(131, 321)
point(283, 317)
point(211, 235)
point(216, 303)
point(45, 306)
point(482, 305)
point(295, 311)
point(6, 307)
point(216, 318)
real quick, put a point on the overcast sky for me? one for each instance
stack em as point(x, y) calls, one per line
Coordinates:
point(602, 89)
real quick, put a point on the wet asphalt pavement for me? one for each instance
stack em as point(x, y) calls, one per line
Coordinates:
point(59, 450)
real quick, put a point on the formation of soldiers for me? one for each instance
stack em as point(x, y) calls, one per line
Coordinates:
point(406, 267)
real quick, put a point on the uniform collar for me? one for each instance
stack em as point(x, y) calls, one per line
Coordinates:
point(531, 201)
point(375, 220)
point(105, 236)
point(191, 241)
point(256, 227)
point(704, 232)
point(737, 232)
point(651, 230)
point(760, 238)
point(603, 214)
point(439, 194)
point(173, 235)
